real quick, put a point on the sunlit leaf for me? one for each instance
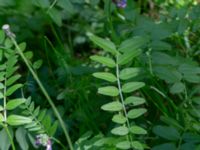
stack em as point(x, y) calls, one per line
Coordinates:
point(132, 86)
point(137, 112)
point(112, 106)
point(105, 76)
point(122, 130)
point(103, 60)
point(109, 91)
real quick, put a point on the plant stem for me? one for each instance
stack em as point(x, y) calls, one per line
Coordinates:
point(9, 136)
point(45, 93)
point(121, 96)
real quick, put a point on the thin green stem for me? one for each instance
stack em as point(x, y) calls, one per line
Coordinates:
point(121, 96)
point(45, 93)
point(52, 5)
point(9, 136)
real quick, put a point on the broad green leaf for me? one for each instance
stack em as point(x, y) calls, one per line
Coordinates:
point(21, 138)
point(105, 44)
point(112, 106)
point(127, 57)
point(12, 104)
point(37, 64)
point(128, 73)
point(2, 36)
point(103, 60)
point(177, 87)
point(137, 130)
point(105, 76)
point(124, 145)
point(12, 79)
point(12, 89)
point(132, 44)
point(22, 46)
point(15, 120)
point(56, 16)
point(5, 141)
point(132, 86)
point(137, 145)
point(122, 130)
point(42, 114)
point(119, 118)
point(53, 128)
point(109, 91)
point(166, 132)
point(134, 100)
point(28, 54)
point(8, 43)
point(137, 112)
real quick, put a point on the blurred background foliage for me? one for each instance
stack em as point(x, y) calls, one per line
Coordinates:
point(56, 33)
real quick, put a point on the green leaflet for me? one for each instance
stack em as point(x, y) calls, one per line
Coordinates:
point(119, 118)
point(137, 112)
point(12, 79)
point(105, 44)
point(128, 73)
point(137, 145)
point(122, 130)
point(112, 106)
point(135, 101)
point(124, 145)
point(132, 44)
point(127, 57)
point(12, 89)
point(105, 76)
point(12, 104)
point(15, 120)
point(132, 86)
point(109, 91)
point(177, 87)
point(103, 60)
point(137, 130)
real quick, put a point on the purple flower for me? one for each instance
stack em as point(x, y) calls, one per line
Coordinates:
point(120, 3)
point(43, 140)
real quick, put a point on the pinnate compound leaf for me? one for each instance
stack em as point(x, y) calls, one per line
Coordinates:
point(124, 145)
point(128, 73)
point(132, 86)
point(135, 113)
point(134, 100)
point(122, 130)
point(112, 106)
point(109, 91)
point(137, 130)
point(12, 104)
point(105, 44)
point(105, 76)
point(119, 118)
point(13, 88)
point(103, 60)
point(127, 57)
point(15, 120)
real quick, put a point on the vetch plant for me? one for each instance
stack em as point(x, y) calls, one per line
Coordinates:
point(125, 104)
